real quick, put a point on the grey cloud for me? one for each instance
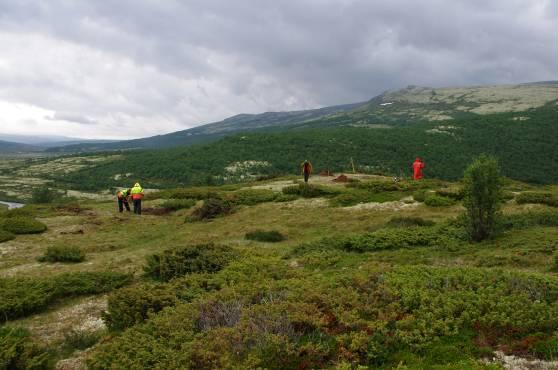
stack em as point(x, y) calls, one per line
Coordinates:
point(71, 117)
point(195, 61)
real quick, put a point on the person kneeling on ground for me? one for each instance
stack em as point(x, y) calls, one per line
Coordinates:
point(306, 170)
point(137, 195)
point(123, 196)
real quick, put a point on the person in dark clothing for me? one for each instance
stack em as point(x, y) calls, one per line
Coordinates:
point(123, 196)
point(306, 170)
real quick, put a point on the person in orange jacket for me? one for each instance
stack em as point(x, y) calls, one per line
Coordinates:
point(417, 166)
point(137, 196)
point(306, 170)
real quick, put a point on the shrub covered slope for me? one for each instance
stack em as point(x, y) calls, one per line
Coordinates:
point(332, 275)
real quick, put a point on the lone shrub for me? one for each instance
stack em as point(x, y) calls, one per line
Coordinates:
point(308, 191)
point(534, 197)
point(130, 306)
point(197, 193)
point(22, 225)
point(433, 200)
point(23, 296)
point(251, 197)
point(176, 204)
point(63, 253)
point(5, 236)
point(547, 349)
point(18, 212)
point(79, 339)
point(409, 221)
point(187, 260)
point(392, 239)
point(482, 197)
point(43, 195)
point(450, 193)
point(272, 236)
point(528, 219)
point(420, 195)
point(211, 209)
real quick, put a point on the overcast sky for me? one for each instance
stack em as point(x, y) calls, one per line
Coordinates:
point(135, 68)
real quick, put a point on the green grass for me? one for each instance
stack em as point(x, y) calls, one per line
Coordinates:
point(272, 236)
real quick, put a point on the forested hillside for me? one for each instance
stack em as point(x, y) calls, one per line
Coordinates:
point(524, 142)
point(11, 147)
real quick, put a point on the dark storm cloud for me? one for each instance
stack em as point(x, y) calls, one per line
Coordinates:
point(183, 63)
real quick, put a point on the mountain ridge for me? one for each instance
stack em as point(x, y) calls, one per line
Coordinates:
point(409, 105)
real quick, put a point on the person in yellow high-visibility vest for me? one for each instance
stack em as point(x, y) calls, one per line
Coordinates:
point(137, 195)
point(123, 196)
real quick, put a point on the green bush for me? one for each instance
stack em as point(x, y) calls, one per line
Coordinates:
point(197, 193)
point(210, 209)
point(549, 199)
point(383, 239)
point(176, 204)
point(409, 221)
point(528, 219)
point(43, 195)
point(280, 198)
point(251, 197)
point(18, 351)
point(80, 340)
point(393, 239)
point(507, 195)
point(547, 349)
point(5, 236)
point(63, 253)
point(482, 197)
point(24, 296)
point(433, 200)
point(188, 260)
point(456, 195)
point(420, 195)
point(22, 225)
point(130, 306)
point(308, 191)
point(272, 236)
point(25, 212)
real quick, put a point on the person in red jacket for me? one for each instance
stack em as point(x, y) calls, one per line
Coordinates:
point(418, 165)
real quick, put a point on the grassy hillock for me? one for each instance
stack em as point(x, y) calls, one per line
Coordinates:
point(327, 275)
